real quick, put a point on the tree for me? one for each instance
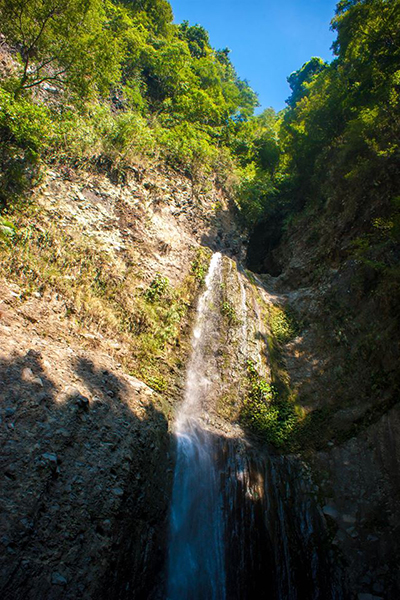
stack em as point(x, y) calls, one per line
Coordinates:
point(196, 38)
point(65, 42)
point(298, 80)
point(155, 14)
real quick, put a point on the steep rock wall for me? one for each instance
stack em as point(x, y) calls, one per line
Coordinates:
point(342, 369)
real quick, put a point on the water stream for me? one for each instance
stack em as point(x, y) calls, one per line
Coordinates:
point(196, 559)
point(243, 525)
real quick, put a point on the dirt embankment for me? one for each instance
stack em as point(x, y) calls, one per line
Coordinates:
point(85, 452)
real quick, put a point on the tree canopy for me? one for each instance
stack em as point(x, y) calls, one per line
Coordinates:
point(134, 80)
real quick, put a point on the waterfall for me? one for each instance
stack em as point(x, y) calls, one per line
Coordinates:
point(196, 568)
point(243, 523)
point(243, 311)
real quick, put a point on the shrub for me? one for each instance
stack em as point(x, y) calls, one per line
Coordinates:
point(188, 146)
point(157, 288)
point(130, 135)
point(264, 412)
point(25, 130)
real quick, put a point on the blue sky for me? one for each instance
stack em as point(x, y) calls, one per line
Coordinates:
point(269, 39)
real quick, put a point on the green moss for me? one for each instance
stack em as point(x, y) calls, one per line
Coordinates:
point(283, 325)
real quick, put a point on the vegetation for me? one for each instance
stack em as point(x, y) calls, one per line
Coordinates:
point(265, 412)
point(105, 83)
point(329, 194)
point(283, 325)
point(67, 43)
point(228, 311)
point(200, 264)
point(99, 294)
point(7, 231)
point(157, 289)
point(333, 153)
point(110, 81)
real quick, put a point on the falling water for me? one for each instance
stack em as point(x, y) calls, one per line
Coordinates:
point(243, 307)
point(242, 525)
point(196, 567)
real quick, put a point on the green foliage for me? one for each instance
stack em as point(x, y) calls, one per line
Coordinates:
point(184, 146)
point(256, 141)
point(155, 15)
point(196, 38)
point(339, 153)
point(157, 289)
point(256, 196)
point(228, 311)
point(7, 230)
point(65, 43)
point(266, 414)
point(157, 383)
point(299, 79)
point(257, 147)
point(200, 264)
point(121, 82)
point(24, 134)
point(129, 137)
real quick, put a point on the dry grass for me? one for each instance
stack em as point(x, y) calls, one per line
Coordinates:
point(102, 293)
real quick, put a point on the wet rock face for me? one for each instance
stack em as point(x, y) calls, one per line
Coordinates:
point(245, 524)
point(336, 537)
point(86, 480)
point(276, 538)
point(261, 252)
point(362, 486)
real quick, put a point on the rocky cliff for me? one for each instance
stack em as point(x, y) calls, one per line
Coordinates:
point(98, 288)
point(342, 368)
point(99, 285)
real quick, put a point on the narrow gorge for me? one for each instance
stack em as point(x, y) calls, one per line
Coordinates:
point(199, 324)
point(125, 488)
point(117, 487)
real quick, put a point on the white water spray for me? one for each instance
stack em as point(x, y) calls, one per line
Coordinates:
point(196, 568)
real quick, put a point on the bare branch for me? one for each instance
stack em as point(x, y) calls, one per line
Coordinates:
point(55, 77)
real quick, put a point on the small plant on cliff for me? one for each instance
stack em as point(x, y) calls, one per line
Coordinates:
point(228, 311)
point(264, 412)
point(157, 383)
point(157, 288)
point(199, 265)
point(7, 230)
point(284, 326)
